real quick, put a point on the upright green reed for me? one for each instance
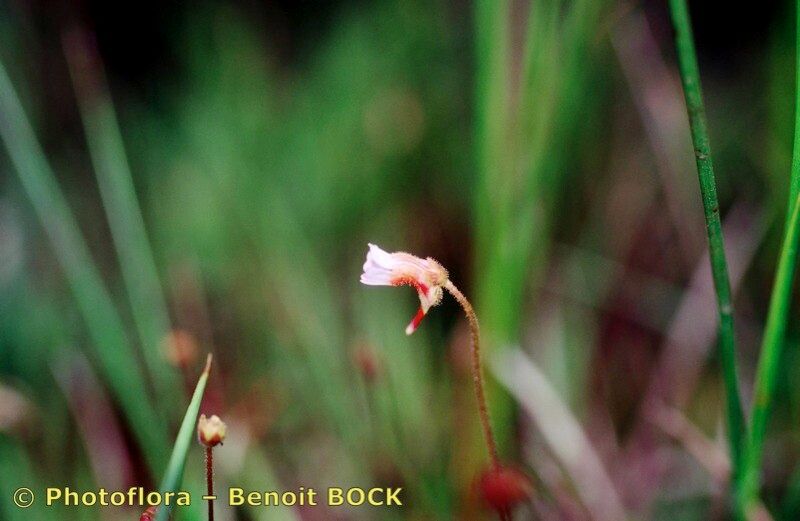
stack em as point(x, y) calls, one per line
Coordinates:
point(768, 363)
point(173, 476)
point(112, 350)
point(495, 250)
point(690, 78)
point(794, 180)
point(492, 92)
point(777, 319)
point(125, 218)
point(793, 493)
point(523, 129)
point(747, 457)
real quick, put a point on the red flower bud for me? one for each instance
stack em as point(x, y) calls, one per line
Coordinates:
point(503, 488)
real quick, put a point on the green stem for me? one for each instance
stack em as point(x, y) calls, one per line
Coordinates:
point(112, 349)
point(793, 493)
point(173, 476)
point(777, 316)
point(495, 246)
point(794, 181)
point(690, 78)
point(771, 350)
point(125, 218)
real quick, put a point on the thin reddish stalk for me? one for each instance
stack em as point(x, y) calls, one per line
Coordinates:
point(477, 371)
point(210, 481)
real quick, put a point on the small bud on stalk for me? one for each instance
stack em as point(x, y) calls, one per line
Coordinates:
point(211, 431)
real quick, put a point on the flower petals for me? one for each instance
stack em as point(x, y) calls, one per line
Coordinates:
point(414, 324)
point(427, 276)
point(378, 267)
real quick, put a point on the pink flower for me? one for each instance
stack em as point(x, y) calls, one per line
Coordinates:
point(403, 269)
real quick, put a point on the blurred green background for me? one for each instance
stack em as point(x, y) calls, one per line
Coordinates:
point(183, 179)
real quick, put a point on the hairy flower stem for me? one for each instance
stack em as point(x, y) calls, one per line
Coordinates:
point(477, 370)
point(210, 481)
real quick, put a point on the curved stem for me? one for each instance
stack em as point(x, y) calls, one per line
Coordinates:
point(477, 370)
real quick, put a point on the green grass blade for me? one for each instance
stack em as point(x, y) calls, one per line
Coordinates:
point(690, 78)
point(492, 118)
point(777, 319)
point(491, 113)
point(112, 350)
point(768, 363)
point(174, 473)
point(794, 180)
point(122, 208)
point(793, 493)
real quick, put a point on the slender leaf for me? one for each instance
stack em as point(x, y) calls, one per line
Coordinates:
point(174, 473)
point(112, 349)
point(122, 208)
point(690, 78)
point(777, 319)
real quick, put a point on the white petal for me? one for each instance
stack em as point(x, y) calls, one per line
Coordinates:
point(378, 257)
point(376, 278)
point(378, 267)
